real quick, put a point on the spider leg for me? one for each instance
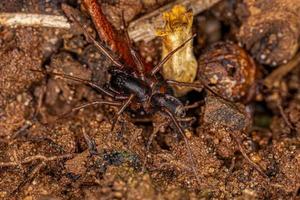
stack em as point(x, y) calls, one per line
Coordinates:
point(121, 110)
point(84, 81)
point(203, 84)
point(92, 147)
point(110, 103)
point(151, 138)
point(136, 58)
point(101, 47)
point(161, 63)
point(194, 105)
point(189, 150)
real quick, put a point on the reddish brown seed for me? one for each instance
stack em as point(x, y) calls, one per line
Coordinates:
point(228, 70)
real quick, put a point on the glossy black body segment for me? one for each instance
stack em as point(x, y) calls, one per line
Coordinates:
point(128, 84)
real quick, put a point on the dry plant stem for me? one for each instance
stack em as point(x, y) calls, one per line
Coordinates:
point(34, 158)
point(29, 177)
point(39, 20)
point(144, 27)
point(275, 77)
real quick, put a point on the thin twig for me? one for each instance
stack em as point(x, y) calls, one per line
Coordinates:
point(30, 19)
point(34, 158)
point(29, 177)
point(275, 77)
point(144, 27)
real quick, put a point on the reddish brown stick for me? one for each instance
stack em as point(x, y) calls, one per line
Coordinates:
point(109, 34)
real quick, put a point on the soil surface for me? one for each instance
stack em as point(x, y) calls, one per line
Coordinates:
point(46, 156)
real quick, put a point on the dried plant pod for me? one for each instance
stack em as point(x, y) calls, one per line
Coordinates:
point(228, 70)
point(182, 66)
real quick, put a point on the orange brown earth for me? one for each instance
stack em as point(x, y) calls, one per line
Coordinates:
point(79, 157)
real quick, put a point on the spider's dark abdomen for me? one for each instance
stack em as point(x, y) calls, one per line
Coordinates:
point(169, 102)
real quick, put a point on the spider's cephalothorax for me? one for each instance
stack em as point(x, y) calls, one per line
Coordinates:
point(128, 84)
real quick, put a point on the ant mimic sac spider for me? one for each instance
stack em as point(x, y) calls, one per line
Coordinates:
point(127, 87)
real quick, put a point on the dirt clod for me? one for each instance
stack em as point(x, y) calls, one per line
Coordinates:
point(241, 151)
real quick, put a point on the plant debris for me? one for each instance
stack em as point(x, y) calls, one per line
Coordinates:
point(242, 150)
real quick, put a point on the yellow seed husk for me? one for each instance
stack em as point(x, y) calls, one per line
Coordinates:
point(182, 66)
